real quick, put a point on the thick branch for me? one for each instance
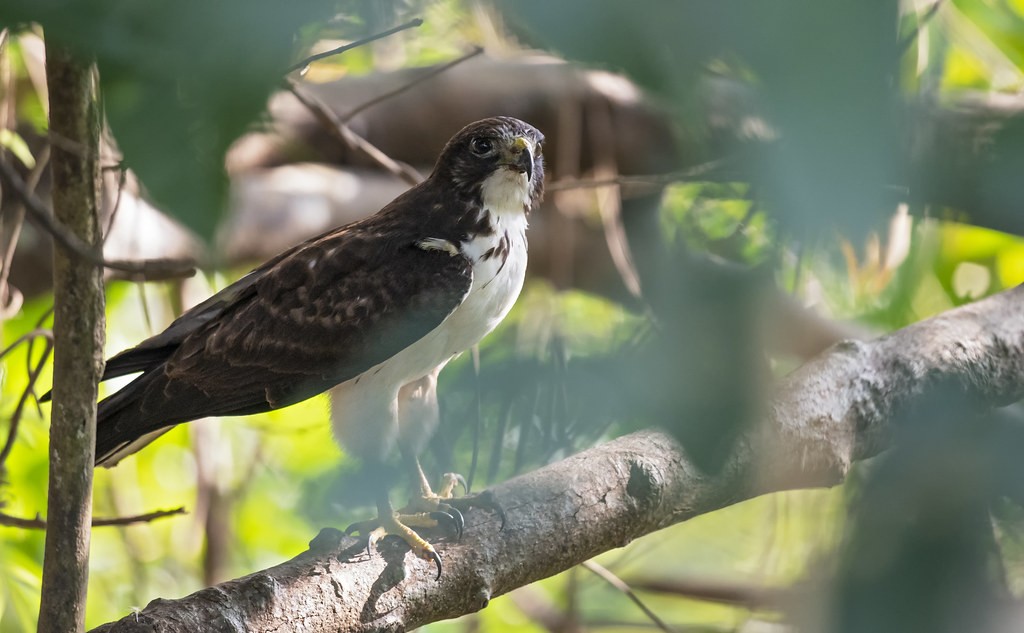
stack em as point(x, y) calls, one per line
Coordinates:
point(833, 411)
point(78, 343)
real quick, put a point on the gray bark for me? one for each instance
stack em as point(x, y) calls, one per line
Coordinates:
point(78, 343)
point(826, 415)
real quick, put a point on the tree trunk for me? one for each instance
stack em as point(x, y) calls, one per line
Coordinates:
point(78, 342)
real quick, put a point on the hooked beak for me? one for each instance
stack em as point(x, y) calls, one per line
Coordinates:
point(520, 157)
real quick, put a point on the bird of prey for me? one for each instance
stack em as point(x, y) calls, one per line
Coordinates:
point(370, 310)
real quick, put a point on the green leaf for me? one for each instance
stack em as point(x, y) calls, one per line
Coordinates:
point(13, 142)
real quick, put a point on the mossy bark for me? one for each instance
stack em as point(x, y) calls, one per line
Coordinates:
point(78, 330)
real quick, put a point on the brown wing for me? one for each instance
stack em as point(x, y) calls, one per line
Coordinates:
point(317, 316)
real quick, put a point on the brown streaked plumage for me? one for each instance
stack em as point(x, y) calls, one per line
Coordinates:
point(371, 311)
point(325, 311)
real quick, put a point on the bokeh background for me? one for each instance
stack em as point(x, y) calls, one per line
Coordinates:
point(733, 186)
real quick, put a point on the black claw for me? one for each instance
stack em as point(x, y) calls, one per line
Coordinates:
point(450, 522)
point(462, 482)
point(434, 556)
point(363, 527)
point(460, 521)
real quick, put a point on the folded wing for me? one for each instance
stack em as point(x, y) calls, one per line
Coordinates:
point(313, 317)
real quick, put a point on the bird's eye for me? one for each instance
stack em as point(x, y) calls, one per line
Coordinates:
point(482, 146)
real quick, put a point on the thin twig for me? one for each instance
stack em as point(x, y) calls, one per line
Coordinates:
point(652, 180)
point(599, 126)
point(18, 216)
point(338, 125)
point(747, 595)
point(908, 41)
point(329, 120)
point(47, 335)
point(477, 50)
point(33, 376)
point(40, 524)
point(122, 178)
point(347, 47)
point(66, 144)
point(542, 611)
point(616, 582)
point(39, 214)
point(37, 332)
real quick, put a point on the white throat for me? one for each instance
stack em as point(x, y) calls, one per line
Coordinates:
point(506, 191)
point(498, 257)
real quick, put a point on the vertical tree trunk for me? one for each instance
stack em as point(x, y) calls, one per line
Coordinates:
point(78, 342)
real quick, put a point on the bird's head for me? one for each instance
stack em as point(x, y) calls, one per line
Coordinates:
point(498, 161)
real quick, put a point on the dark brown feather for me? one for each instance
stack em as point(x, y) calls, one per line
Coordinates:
point(318, 314)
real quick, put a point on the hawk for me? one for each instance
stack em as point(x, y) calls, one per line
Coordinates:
point(370, 311)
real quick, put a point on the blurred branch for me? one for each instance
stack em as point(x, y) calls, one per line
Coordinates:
point(330, 121)
point(606, 575)
point(40, 524)
point(33, 376)
point(965, 152)
point(347, 47)
point(8, 305)
point(412, 84)
point(645, 183)
point(536, 606)
point(40, 215)
point(831, 412)
point(908, 41)
point(748, 595)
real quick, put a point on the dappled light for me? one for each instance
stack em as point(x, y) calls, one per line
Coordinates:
point(764, 373)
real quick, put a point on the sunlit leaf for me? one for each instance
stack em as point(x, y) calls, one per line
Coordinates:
point(13, 142)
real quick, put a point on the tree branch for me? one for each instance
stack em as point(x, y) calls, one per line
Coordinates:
point(606, 575)
point(33, 376)
point(78, 335)
point(433, 72)
point(746, 594)
point(836, 409)
point(965, 153)
point(40, 524)
point(416, 22)
point(41, 217)
point(340, 130)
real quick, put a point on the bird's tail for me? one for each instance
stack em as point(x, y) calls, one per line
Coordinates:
point(121, 428)
point(110, 454)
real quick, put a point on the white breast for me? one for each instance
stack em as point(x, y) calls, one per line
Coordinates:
point(497, 281)
point(364, 410)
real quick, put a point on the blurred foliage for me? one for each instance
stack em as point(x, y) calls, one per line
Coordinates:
point(830, 89)
point(180, 81)
point(921, 554)
point(908, 537)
